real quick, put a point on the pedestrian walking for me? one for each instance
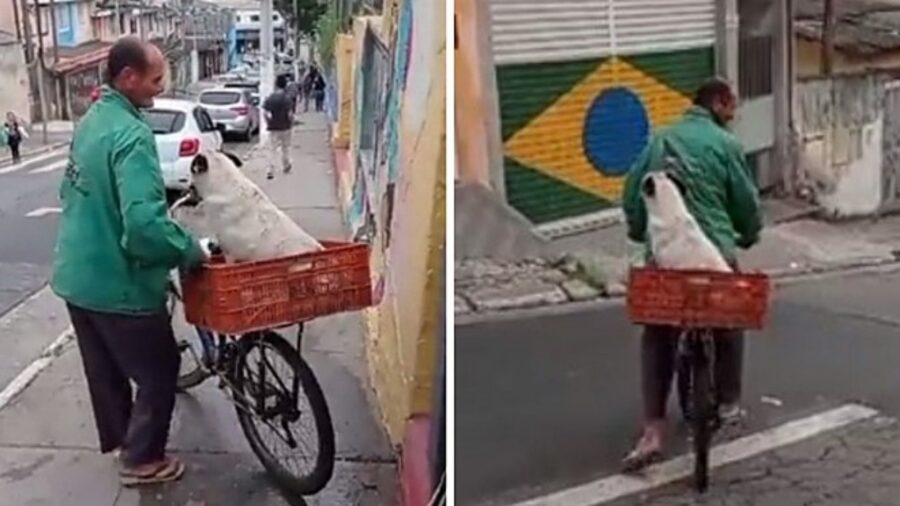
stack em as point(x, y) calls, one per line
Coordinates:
point(319, 91)
point(280, 120)
point(115, 248)
point(15, 133)
point(293, 93)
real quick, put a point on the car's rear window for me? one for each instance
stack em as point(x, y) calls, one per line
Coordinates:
point(220, 98)
point(163, 121)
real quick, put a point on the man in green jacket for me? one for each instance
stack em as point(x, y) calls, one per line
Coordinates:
point(115, 248)
point(721, 195)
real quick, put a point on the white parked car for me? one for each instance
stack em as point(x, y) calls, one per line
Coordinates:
point(182, 129)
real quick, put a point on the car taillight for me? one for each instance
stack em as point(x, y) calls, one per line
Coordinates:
point(189, 147)
point(242, 110)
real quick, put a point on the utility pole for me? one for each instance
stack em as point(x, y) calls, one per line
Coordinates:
point(16, 17)
point(296, 42)
point(26, 28)
point(39, 68)
point(828, 39)
point(117, 20)
point(267, 74)
point(55, 35)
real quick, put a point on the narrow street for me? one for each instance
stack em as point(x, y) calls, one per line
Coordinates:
point(48, 445)
point(549, 401)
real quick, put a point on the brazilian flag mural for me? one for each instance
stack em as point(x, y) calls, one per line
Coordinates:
point(572, 130)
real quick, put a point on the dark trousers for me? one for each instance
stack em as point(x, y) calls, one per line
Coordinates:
point(14, 148)
point(658, 350)
point(116, 348)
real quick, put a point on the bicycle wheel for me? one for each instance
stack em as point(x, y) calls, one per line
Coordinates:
point(702, 406)
point(684, 388)
point(271, 409)
point(190, 345)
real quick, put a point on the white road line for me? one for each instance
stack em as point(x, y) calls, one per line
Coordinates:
point(20, 382)
point(49, 168)
point(43, 211)
point(30, 161)
point(618, 486)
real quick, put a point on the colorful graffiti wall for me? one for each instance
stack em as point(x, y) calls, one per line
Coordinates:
point(571, 130)
point(397, 123)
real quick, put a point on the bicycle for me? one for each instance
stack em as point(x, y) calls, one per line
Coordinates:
point(266, 399)
point(698, 302)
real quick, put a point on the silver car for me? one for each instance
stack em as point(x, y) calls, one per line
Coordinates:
point(234, 109)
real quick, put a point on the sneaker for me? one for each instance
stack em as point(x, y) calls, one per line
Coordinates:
point(731, 413)
point(269, 175)
point(287, 170)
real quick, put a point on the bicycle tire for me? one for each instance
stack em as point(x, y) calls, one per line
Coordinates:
point(323, 470)
point(196, 375)
point(683, 386)
point(702, 410)
point(191, 379)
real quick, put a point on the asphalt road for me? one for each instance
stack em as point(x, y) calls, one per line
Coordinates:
point(550, 400)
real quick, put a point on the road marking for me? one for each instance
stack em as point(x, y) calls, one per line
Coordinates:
point(49, 168)
point(620, 485)
point(43, 211)
point(24, 378)
point(21, 165)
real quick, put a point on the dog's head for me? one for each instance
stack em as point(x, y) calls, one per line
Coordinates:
point(209, 166)
point(664, 193)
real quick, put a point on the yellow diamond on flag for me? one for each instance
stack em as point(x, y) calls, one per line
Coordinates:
point(591, 135)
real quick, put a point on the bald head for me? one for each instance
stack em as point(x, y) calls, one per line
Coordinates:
point(136, 69)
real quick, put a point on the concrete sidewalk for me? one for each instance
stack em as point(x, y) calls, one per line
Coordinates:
point(594, 264)
point(48, 447)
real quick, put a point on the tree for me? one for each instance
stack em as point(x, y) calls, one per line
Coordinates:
point(304, 19)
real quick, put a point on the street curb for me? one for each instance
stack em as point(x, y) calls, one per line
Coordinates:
point(779, 277)
point(6, 162)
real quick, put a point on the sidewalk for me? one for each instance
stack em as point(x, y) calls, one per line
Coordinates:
point(594, 264)
point(48, 447)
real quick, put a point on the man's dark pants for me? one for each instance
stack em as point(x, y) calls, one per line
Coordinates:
point(116, 348)
point(658, 350)
point(659, 347)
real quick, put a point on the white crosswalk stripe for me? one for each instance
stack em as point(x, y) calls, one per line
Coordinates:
point(49, 168)
point(31, 161)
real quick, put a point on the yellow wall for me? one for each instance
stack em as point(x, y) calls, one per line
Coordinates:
point(344, 64)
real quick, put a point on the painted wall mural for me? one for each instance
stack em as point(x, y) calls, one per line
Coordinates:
point(572, 130)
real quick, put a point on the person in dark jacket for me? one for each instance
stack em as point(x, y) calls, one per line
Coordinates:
point(115, 249)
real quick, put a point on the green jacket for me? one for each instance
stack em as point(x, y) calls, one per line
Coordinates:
point(720, 192)
point(116, 242)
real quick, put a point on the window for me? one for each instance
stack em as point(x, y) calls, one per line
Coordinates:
point(163, 121)
point(254, 18)
point(204, 122)
point(220, 97)
point(121, 23)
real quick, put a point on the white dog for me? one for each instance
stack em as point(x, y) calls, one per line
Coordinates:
point(676, 240)
point(239, 216)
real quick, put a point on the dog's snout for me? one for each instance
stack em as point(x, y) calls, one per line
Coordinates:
point(199, 165)
point(649, 186)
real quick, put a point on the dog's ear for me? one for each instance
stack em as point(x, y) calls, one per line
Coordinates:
point(648, 186)
point(234, 159)
point(678, 182)
point(200, 164)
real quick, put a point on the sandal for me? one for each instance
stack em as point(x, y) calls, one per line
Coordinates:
point(170, 470)
point(639, 459)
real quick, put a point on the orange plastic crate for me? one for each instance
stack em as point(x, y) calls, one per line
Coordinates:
point(698, 299)
point(237, 298)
